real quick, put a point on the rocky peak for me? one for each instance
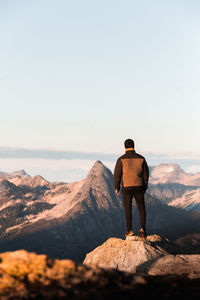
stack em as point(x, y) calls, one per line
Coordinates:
point(27, 180)
point(19, 173)
point(39, 181)
point(99, 169)
point(98, 187)
point(99, 177)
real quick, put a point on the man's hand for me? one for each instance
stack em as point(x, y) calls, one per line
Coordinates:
point(117, 192)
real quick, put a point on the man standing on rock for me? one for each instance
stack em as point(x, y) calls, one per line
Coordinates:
point(134, 172)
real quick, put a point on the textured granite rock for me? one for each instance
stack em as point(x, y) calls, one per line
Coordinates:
point(177, 264)
point(128, 255)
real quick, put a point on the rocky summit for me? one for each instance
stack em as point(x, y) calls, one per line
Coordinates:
point(125, 255)
point(153, 256)
point(27, 275)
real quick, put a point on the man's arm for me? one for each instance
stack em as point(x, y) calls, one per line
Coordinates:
point(117, 174)
point(145, 172)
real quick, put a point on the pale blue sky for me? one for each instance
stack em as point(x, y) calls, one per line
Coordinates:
point(86, 75)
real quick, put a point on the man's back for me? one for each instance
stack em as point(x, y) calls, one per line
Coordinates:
point(133, 170)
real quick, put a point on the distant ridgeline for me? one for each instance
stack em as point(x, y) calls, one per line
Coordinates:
point(68, 220)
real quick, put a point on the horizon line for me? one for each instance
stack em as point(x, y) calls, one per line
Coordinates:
point(20, 152)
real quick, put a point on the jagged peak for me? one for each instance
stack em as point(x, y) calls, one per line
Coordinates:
point(39, 180)
point(98, 163)
point(39, 177)
point(99, 169)
point(19, 172)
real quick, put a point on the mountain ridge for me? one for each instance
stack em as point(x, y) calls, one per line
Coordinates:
point(67, 220)
point(12, 174)
point(162, 173)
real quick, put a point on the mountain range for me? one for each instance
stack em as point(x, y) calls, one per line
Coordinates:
point(172, 185)
point(165, 173)
point(68, 220)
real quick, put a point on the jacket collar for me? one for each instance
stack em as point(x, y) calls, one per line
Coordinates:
point(129, 149)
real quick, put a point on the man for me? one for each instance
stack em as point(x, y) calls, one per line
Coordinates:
point(134, 172)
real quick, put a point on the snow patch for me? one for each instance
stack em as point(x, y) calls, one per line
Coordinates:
point(190, 200)
point(171, 169)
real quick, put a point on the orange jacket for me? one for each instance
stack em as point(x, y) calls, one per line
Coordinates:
point(133, 170)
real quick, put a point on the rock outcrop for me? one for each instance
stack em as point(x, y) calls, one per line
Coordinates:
point(26, 276)
point(125, 255)
point(176, 264)
point(154, 256)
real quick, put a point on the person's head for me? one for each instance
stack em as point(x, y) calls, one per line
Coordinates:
point(129, 143)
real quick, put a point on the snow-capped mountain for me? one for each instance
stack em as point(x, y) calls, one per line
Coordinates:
point(190, 200)
point(68, 220)
point(172, 173)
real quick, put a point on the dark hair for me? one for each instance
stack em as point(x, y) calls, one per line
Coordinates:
point(129, 143)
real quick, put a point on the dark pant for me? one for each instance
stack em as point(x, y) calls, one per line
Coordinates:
point(139, 198)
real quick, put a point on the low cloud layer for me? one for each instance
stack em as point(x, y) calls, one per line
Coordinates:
point(6, 152)
point(74, 165)
point(9, 152)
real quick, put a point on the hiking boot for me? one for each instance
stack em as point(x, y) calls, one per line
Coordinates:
point(143, 233)
point(129, 233)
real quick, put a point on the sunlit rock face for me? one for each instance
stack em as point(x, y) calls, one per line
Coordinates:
point(153, 256)
point(128, 255)
point(125, 255)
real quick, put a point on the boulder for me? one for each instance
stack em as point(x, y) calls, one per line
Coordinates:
point(176, 264)
point(129, 254)
point(153, 256)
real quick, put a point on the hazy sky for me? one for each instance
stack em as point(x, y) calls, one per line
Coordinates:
point(85, 75)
